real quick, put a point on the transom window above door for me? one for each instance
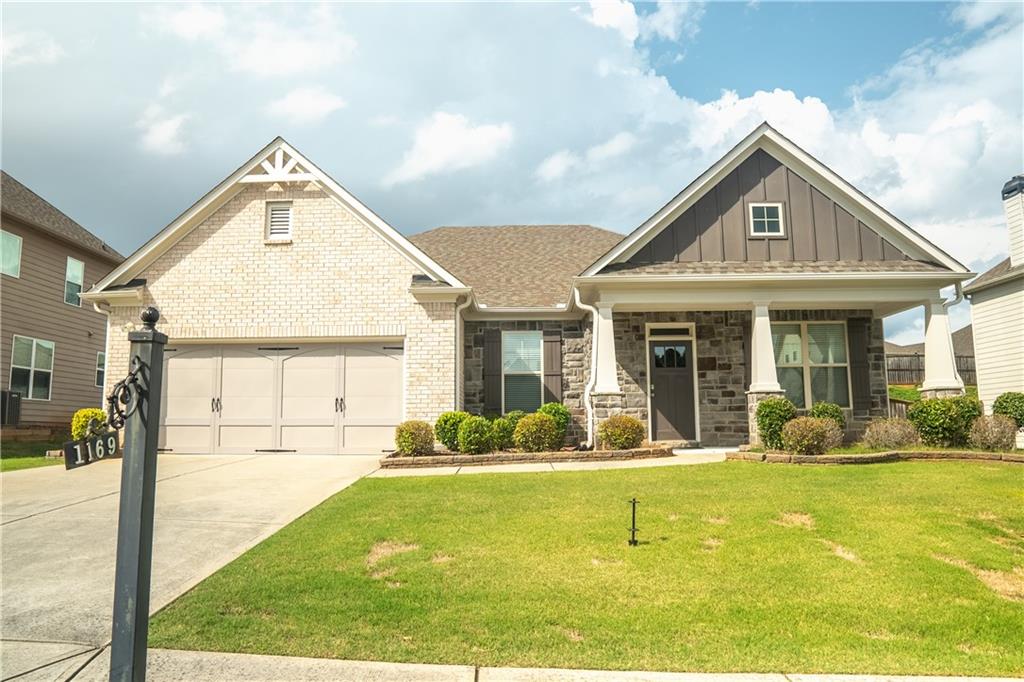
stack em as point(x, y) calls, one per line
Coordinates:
point(766, 220)
point(522, 371)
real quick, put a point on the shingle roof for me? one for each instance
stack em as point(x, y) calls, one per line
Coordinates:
point(517, 265)
point(22, 203)
point(768, 267)
point(1000, 272)
point(963, 344)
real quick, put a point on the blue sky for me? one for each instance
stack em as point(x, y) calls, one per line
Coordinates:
point(124, 114)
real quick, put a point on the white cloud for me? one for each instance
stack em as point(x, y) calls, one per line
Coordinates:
point(162, 132)
point(557, 165)
point(29, 47)
point(561, 162)
point(190, 21)
point(672, 20)
point(448, 142)
point(616, 146)
point(619, 15)
point(974, 15)
point(306, 105)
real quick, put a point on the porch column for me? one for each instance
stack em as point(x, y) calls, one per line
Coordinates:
point(764, 382)
point(940, 375)
point(607, 376)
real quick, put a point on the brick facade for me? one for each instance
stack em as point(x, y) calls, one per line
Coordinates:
point(336, 280)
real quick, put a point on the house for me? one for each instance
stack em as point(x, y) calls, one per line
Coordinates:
point(997, 309)
point(52, 350)
point(301, 321)
point(963, 344)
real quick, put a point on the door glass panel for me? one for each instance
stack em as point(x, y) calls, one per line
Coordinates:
point(786, 341)
point(829, 384)
point(670, 356)
point(659, 356)
point(791, 379)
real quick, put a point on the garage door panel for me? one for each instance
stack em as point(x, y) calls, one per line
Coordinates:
point(373, 383)
point(189, 388)
point(245, 437)
point(313, 438)
point(309, 385)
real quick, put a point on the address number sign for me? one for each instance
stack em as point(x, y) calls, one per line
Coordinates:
point(90, 449)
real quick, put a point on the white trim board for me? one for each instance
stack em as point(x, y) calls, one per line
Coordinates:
point(692, 338)
point(813, 171)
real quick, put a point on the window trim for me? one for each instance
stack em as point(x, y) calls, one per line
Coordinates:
point(101, 367)
point(806, 365)
point(66, 280)
point(21, 246)
point(781, 234)
point(32, 370)
point(291, 222)
point(539, 373)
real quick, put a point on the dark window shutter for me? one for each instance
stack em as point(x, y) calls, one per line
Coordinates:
point(747, 331)
point(552, 366)
point(492, 370)
point(857, 329)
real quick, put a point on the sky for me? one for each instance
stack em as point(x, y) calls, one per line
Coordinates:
point(122, 115)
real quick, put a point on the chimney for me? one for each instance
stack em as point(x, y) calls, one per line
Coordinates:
point(1013, 207)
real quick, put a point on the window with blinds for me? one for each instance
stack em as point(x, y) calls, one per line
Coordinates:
point(522, 371)
point(279, 220)
point(811, 362)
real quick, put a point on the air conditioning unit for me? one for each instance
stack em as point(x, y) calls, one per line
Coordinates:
point(10, 408)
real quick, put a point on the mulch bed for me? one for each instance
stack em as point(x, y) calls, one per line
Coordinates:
point(875, 457)
point(395, 461)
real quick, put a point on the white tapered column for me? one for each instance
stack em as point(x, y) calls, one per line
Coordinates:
point(607, 375)
point(940, 375)
point(763, 378)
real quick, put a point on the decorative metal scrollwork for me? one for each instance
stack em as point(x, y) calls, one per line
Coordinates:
point(124, 399)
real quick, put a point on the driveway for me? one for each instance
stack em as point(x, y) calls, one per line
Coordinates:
point(59, 529)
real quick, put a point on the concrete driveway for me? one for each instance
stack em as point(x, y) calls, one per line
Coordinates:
point(58, 539)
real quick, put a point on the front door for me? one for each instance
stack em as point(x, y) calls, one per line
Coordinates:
point(671, 390)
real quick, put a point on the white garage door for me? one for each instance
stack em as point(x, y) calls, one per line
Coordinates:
point(322, 398)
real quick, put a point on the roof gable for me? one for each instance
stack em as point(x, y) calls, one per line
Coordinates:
point(281, 163)
point(766, 165)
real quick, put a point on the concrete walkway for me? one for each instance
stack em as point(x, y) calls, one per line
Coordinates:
point(680, 457)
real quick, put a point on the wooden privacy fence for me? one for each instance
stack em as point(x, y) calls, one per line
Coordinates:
point(909, 369)
point(898, 408)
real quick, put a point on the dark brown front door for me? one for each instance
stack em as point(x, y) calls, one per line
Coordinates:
point(671, 389)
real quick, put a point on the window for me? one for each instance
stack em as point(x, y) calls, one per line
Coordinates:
point(766, 220)
point(74, 278)
point(279, 220)
point(10, 254)
point(101, 368)
point(811, 362)
point(669, 356)
point(521, 371)
point(31, 368)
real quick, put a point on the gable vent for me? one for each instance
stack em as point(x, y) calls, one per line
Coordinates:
point(279, 220)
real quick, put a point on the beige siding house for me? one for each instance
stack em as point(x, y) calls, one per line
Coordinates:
point(997, 309)
point(52, 346)
point(299, 321)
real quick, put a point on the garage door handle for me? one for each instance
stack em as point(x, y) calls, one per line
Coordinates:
point(213, 404)
point(339, 404)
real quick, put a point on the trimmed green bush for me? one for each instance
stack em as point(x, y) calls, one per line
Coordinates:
point(414, 437)
point(771, 415)
point(476, 436)
point(537, 433)
point(560, 413)
point(504, 428)
point(1010, 404)
point(447, 428)
point(621, 432)
point(80, 421)
point(811, 435)
point(892, 432)
point(514, 416)
point(829, 411)
point(944, 421)
point(997, 432)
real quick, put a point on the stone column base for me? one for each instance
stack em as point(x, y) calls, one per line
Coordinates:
point(942, 392)
point(753, 398)
point(605, 405)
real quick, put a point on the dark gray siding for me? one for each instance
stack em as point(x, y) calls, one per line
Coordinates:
point(716, 227)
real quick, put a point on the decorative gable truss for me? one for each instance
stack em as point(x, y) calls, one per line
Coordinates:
point(279, 166)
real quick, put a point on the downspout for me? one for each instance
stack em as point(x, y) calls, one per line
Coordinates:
point(946, 305)
point(104, 308)
point(592, 380)
point(460, 379)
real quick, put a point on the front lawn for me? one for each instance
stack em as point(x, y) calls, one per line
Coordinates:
point(28, 454)
point(912, 394)
point(913, 568)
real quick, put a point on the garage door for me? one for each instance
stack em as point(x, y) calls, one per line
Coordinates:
point(318, 398)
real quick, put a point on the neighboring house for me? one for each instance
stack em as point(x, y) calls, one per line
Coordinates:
point(906, 363)
point(52, 349)
point(300, 321)
point(963, 344)
point(997, 309)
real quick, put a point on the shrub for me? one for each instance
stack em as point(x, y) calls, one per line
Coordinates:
point(894, 432)
point(80, 421)
point(944, 421)
point(503, 428)
point(447, 428)
point(811, 435)
point(997, 432)
point(772, 414)
point(537, 433)
point(829, 411)
point(514, 416)
point(621, 432)
point(476, 436)
point(560, 413)
point(1010, 404)
point(414, 437)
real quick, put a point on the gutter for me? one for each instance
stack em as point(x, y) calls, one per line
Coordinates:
point(592, 379)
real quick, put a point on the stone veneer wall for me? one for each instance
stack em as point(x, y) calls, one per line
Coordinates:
point(575, 363)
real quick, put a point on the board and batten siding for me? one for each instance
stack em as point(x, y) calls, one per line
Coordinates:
point(717, 227)
point(998, 318)
point(33, 305)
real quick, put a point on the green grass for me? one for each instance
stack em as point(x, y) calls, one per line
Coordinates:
point(534, 570)
point(28, 454)
point(911, 393)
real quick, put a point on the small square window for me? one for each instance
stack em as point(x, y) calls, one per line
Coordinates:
point(766, 220)
point(279, 220)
